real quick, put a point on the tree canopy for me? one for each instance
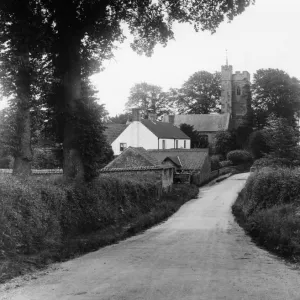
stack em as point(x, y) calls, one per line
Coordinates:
point(200, 94)
point(274, 92)
point(149, 98)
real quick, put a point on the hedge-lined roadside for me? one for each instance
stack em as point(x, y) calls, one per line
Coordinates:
point(42, 222)
point(268, 208)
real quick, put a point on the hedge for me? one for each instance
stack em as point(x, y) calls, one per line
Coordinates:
point(239, 157)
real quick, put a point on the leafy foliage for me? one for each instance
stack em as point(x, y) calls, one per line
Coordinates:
point(258, 143)
point(149, 98)
point(200, 94)
point(224, 142)
point(282, 138)
point(239, 157)
point(89, 128)
point(198, 140)
point(120, 119)
point(274, 92)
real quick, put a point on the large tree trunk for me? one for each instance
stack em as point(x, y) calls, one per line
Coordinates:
point(23, 154)
point(71, 80)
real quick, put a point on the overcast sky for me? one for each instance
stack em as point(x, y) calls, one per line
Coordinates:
point(266, 35)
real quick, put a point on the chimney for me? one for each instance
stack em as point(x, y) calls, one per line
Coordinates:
point(152, 117)
point(136, 116)
point(165, 118)
point(171, 119)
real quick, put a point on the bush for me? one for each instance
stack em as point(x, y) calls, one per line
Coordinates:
point(6, 162)
point(225, 163)
point(215, 163)
point(258, 143)
point(268, 209)
point(239, 157)
point(38, 213)
point(47, 159)
point(224, 142)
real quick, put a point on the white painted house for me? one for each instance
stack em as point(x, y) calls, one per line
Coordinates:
point(149, 134)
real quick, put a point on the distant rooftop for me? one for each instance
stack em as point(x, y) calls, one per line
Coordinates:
point(113, 130)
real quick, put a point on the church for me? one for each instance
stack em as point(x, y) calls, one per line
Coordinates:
point(235, 104)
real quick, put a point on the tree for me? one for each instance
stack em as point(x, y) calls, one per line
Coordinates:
point(225, 141)
point(149, 98)
point(282, 138)
point(198, 140)
point(274, 92)
point(120, 119)
point(200, 94)
point(21, 52)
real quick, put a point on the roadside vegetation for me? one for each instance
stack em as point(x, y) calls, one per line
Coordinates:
point(268, 207)
point(43, 221)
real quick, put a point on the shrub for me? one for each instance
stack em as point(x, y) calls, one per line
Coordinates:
point(268, 209)
point(225, 163)
point(5, 162)
point(224, 142)
point(239, 157)
point(38, 213)
point(47, 159)
point(258, 143)
point(215, 163)
point(272, 162)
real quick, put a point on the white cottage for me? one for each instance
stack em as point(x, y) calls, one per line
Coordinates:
point(149, 134)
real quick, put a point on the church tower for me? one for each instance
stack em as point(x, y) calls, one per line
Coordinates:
point(235, 94)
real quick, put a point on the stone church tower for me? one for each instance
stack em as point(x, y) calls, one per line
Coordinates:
point(235, 94)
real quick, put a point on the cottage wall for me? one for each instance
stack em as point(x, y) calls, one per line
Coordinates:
point(171, 143)
point(135, 135)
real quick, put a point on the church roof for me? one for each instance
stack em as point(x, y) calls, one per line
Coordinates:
point(164, 130)
point(204, 122)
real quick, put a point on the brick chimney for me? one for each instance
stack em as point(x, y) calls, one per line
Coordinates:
point(171, 119)
point(136, 115)
point(152, 117)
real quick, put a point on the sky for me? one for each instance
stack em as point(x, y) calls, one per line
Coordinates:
point(266, 35)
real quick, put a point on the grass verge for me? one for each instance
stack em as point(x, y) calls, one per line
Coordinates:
point(75, 245)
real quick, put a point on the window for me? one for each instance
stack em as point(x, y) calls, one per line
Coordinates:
point(163, 144)
point(123, 146)
point(238, 90)
point(176, 144)
point(184, 144)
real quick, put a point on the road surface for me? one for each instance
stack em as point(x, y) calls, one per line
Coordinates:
point(199, 253)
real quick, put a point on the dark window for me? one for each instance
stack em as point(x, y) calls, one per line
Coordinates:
point(184, 144)
point(123, 146)
point(238, 90)
point(163, 144)
point(176, 144)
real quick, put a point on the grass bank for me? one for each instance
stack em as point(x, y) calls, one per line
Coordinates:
point(268, 209)
point(49, 221)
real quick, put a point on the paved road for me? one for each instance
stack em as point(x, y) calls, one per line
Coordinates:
point(199, 253)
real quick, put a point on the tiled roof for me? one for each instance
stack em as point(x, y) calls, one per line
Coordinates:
point(113, 130)
point(175, 160)
point(191, 159)
point(209, 122)
point(164, 130)
point(134, 157)
point(161, 167)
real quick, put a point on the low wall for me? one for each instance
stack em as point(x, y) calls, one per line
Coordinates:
point(35, 172)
